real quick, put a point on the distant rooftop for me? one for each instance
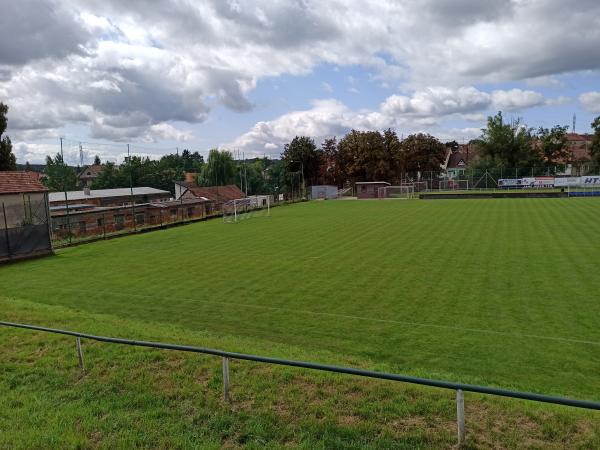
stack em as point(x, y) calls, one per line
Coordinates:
point(15, 182)
point(372, 182)
point(104, 193)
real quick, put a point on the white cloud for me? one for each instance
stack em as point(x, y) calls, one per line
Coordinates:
point(516, 99)
point(545, 81)
point(591, 101)
point(330, 117)
point(34, 152)
point(437, 101)
point(560, 100)
point(426, 110)
point(122, 68)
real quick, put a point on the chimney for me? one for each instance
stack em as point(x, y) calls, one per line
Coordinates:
point(86, 190)
point(190, 177)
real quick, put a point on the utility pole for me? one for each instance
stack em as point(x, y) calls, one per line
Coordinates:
point(246, 175)
point(303, 183)
point(65, 189)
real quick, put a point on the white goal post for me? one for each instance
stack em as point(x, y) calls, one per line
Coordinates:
point(245, 208)
point(404, 191)
point(454, 185)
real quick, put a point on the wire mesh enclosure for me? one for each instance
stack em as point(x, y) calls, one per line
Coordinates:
point(24, 226)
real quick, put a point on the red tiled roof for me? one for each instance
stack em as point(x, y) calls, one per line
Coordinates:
point(94, 170)
point(217, 193)
point(13, 182)
point(457, 160)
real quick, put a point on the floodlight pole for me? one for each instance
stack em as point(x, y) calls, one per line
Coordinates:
point(131, 189)
point(303, 183)
point(65, 190)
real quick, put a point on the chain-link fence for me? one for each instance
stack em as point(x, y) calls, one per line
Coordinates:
point(488, 178)
point(24, 226)
point(93, 223)
point(77, 225)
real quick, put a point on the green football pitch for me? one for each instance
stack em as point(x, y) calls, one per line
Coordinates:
point(496, 292)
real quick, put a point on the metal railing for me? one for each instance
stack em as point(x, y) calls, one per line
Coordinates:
point(460, 388)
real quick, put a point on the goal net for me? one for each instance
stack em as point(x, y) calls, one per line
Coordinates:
point(454, 185)
point(405, 191)
point(419, 186)
point(245, 208)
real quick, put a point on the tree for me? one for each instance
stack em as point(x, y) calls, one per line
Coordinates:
point(97, 161)
point(59, 176)
point(370, 156)
point(506, 144)
point(329, 166)
point(219, 169)
point(553, 144)
point(423, 153)
point(191, 162)
point(595, 147)
point(108, 178)
point(7, 157)
point(452, 145)
point(301, 156)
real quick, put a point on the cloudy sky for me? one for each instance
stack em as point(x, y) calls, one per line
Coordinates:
point(249, 75)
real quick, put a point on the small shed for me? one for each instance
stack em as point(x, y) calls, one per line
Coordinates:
point(369, 189)
point(24, 216)
point(325, 192)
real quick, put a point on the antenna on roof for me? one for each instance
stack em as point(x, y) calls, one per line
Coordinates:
point(574, 120)
point(80, 155)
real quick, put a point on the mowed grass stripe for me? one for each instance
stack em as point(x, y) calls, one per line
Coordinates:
point(487, 291)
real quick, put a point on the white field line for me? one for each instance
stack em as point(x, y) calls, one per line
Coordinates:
point(363, 318)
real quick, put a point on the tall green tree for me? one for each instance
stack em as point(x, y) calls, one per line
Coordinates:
point(219, 170)
point(506, 144)
point(330, 171)
point(7, 157)
point(553, 144)
point(97, 160)
point(109, 177)
point(191, 162)
point(595, 147)
point(369, 156)
point(301, 156)
point(59, 176)
point(423, 153)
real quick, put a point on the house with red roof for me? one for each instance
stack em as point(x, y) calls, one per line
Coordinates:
point(217, 194)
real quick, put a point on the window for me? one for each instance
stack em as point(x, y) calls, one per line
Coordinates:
point(119, 221)
point(82, 226)
point(173, 214)
point(190, 211)
point(100, 222)
point(139, 218)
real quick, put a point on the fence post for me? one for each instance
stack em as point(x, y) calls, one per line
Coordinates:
point(80, 353)
point(226, 379)
point(460, 416)
point(6, 231)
